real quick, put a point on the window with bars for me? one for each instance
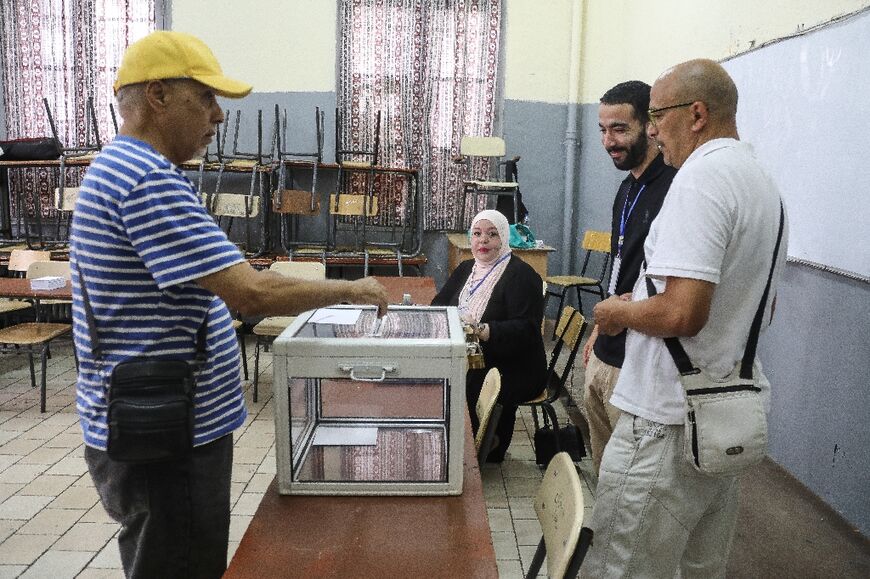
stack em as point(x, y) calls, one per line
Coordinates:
point(431, 69)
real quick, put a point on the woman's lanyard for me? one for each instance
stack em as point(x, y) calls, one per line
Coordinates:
point(471, 290)
point(625, 216)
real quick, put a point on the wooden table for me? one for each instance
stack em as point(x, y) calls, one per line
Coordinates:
point(460, 250)
point(19, 288)
point(364, 536)
point(422, 289)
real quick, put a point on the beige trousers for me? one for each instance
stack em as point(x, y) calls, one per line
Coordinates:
point(600, 414)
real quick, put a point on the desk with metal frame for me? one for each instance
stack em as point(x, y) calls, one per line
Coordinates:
point(370, 536)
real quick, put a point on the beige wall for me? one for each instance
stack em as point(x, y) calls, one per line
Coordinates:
point(276, 45)
point(289, 45)
point(624, 39)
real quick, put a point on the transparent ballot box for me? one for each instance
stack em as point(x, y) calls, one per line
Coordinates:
point(370, 407)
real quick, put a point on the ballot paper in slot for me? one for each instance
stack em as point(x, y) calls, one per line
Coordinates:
point(49, 282)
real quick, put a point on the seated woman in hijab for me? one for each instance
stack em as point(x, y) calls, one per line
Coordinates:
point(502, 295)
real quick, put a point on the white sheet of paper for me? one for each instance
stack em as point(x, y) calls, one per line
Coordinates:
point(338, 316)
point(345, 436)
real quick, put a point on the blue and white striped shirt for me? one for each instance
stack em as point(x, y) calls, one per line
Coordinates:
point(141, 237)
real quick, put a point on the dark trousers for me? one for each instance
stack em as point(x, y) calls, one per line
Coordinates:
point(174, 515)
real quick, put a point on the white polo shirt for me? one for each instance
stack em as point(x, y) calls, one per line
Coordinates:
point(719, 224)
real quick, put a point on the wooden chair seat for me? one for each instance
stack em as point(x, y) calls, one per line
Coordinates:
point(273, 325)
point(571, 280)
point(492, 185)
point(356, 164)
point(31, 333)
point(9, 306)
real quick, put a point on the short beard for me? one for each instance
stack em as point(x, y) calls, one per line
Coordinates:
point(635, 156)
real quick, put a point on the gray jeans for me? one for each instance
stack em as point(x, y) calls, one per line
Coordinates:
point(174, 515)
point(654, 514)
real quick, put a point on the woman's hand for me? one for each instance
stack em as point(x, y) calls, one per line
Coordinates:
point(483, 332)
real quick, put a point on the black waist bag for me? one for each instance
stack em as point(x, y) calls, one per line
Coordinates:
point(150, 413)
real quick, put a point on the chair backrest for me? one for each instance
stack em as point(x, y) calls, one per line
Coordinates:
point(353, 204)
point(20, 260)
point(49, 268)
point(596, 242)
point(310, 270)
point(231, 204)
point(485, 403)
point(569, 332)
point(559, 506)
point(482, 146)
point(67, 200)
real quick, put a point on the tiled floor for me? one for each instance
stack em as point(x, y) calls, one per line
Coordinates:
point(53, 526)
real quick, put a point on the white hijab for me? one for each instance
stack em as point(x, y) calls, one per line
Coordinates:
point(477, 290)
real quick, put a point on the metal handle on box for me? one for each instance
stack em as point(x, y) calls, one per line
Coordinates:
point(384, 371)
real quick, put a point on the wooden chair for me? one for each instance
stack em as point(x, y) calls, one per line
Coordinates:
point(271, 327)
point(569, 331)
point(591, 278)
point(488, 412)
point(559, 506)
point(33, 337)
point(20, 260)
point(487, 149)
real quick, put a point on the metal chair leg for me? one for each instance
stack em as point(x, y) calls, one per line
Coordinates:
point(32, 369)
point(44, 362)
point(256, 367)
point(241, 337)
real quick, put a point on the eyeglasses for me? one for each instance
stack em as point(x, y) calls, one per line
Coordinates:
point(655, 114)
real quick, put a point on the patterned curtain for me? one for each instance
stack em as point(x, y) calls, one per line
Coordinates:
point(430, 67)
point(64, 51)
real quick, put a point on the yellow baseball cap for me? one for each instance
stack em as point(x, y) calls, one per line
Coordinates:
point(166, 54)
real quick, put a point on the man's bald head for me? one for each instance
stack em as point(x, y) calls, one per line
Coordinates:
point(704, 80)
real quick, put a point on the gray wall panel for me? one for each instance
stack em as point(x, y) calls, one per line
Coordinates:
point(817, 356)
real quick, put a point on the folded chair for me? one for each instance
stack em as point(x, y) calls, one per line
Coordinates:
point(488, 412)
point(596, 244)
point(559, 506)
point(480, 156)
point(353, 205)
point(271, 327)
point(569, 330)
point(289, 203)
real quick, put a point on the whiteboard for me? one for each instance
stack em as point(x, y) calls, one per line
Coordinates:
point(804, 104)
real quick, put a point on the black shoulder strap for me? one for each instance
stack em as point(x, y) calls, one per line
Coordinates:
point(97, 350)
point(678, 353)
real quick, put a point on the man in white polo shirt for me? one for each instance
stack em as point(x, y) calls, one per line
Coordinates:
point(708, 254)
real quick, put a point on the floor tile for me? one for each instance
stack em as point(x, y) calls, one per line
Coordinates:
point(23, 507)
point(51, 522)
point(48, 485)
point(76, 498)
point(24, 549)
point(500, 520)
point(11, 571)
point(58, 565)
point(505, 545)
point(86, 537)
point(109, 557)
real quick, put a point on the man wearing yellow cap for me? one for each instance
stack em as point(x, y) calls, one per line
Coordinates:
point(155, 277)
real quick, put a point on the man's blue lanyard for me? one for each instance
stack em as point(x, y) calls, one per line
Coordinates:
point(624, 218)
